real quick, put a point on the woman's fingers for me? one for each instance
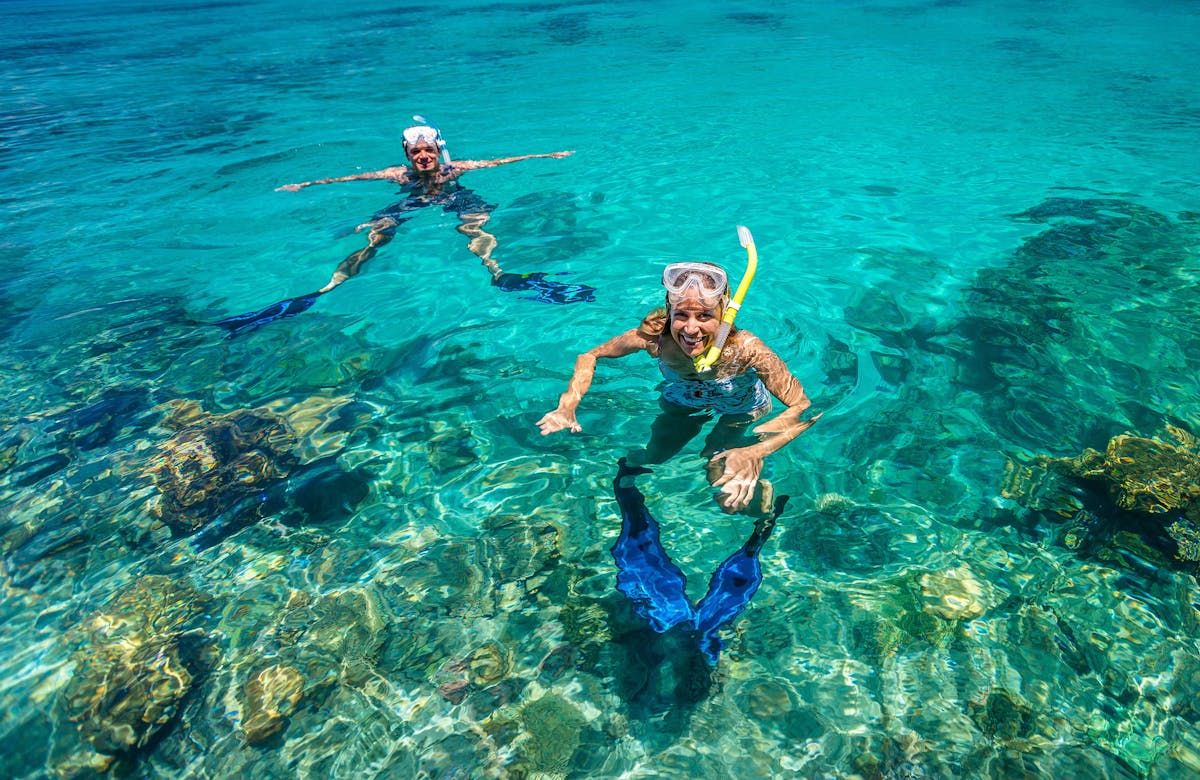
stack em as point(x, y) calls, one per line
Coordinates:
point(554, 421)
point(738, 491)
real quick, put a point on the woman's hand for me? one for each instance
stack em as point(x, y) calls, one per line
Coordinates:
point(558, 420)
point(742, 469)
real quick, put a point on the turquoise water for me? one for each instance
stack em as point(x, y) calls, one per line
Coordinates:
point(979, 238)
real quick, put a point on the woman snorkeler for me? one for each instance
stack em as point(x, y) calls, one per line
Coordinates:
point(737, 388)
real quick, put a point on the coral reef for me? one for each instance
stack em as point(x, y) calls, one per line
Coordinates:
point(1156, 480)
point(134, 665)
point(214, 462)
point(270, 696)
point(1147, 475)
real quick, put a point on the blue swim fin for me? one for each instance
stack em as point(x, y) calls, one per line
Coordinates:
point(733, 584)
point(289, 307)
point(645, 573)
point(547, 291)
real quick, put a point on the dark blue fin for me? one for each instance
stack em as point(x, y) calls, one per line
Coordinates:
point(733, 584)
point(645, 573)
point(289, 307)
point(547, 291)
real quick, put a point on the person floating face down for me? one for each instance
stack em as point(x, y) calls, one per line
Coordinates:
point(737, 390)
point(428, 180)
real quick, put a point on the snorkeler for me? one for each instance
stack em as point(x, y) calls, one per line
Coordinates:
point(705, 377)
point(425, 181)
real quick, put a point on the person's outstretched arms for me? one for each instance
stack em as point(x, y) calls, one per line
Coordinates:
point(743, 465)
point(563, 418)
point(398, 174)
point(474, 165)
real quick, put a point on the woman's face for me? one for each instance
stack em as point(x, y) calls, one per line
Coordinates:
point(694, 323)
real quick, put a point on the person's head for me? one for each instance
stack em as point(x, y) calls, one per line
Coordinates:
point(422, 144)
point(697, 294)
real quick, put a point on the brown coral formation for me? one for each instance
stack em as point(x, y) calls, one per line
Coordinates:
point(270, 694)
point(125, 691)
point(214, 462)
point(1150, 477)
point(1142, 475)
point(319, 643)
point(954, 594)
point(135, 666)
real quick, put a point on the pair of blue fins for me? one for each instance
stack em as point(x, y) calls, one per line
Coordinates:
point(656, 586)
point(543, 289)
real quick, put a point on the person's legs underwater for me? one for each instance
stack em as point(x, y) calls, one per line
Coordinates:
point(645, 573)
point(733, 584)
point(383, 228)
point(481, 244)
point(671, 430)
point(473, 213)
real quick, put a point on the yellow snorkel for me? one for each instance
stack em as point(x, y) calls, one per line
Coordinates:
point(709, 358)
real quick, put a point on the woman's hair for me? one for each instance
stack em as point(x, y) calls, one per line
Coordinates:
point(654, 323)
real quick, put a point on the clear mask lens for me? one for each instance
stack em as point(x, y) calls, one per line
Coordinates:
point(707, 281)
point(415, 135)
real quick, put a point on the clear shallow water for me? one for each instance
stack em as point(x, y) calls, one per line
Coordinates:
point(978, 234)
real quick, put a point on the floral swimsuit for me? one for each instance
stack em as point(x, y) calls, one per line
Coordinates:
point(737, 394)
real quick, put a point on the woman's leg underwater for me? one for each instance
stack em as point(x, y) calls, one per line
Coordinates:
point(671, 430)
point(482, 243)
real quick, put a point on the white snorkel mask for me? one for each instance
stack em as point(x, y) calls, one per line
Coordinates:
point(429, 133)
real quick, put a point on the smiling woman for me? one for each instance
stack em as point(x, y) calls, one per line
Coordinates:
point(737, 389)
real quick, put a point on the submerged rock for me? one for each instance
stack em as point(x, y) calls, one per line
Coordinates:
point(270, 695)
point(314, 645)
point(219, 467)
point(215, 462)
point(552, 731)
point(483, 667)
point(1187, 536)
point(1156, 481)
point(135, 664)
point(954, 594)
point(1145, 475)
point(1002, 715)
point(123, 692)
point(488, 665)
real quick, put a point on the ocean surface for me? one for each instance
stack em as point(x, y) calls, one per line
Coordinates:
point(337, 546)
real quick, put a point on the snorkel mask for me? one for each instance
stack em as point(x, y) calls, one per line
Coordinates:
point(429, 133)
point(709, 281)
point(710, 356)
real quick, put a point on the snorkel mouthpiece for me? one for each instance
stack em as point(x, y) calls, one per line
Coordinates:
point(709, 358)
point(441, 142)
